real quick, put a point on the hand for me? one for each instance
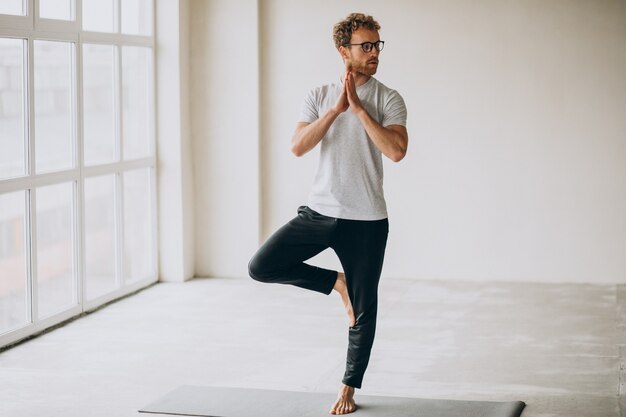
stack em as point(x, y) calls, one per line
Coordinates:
point(342, 101)
point(350, 90)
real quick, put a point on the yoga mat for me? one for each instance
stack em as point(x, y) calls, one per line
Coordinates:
point(241, 402)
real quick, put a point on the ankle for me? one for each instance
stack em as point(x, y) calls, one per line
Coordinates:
point(347, 389)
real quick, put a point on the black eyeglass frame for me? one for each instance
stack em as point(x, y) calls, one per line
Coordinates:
point(379, 45)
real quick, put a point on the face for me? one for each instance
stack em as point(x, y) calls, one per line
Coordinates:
point(362, 62)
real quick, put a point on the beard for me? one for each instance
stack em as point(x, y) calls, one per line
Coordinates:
point(363, 67)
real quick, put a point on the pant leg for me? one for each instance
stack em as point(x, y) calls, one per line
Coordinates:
point(281, 258)
point(360, 246)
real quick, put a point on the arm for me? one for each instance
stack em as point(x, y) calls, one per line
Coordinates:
point(391, 140)
point(308, 135)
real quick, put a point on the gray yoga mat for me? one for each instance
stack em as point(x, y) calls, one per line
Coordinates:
point(242, 402)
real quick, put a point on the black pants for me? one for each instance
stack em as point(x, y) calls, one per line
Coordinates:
point(360, 246)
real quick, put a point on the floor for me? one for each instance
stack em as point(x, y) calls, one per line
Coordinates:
point(557, 347)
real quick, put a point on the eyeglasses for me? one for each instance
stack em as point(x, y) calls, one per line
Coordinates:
point(367, 46)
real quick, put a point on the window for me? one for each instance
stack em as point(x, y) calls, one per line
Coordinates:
point(12, 7)
point(12, 111)
point(77, 166)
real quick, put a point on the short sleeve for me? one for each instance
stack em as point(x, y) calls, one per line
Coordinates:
point(309, 109)
point(394, 112)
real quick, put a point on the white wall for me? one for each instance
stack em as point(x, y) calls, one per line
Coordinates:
point(225, 130)
point(517, 159)
point(175, 176)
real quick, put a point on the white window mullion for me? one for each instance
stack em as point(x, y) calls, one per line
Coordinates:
point(80, 239)
point(154, 171)
point(92, 171)
point(26, 105)
point(117, 102)
point(14, 32)
point(41, 180)
point(152, 100)
point(58, 26)
point(74, 104)
point(154, 220)
point(30, 92)
point(32, 214)
point(119, 228)
point(116, 39)
point(34, 12)
point(78, 14)
point(77, 242)
point(30, 6)
point(22, 183)
point(30, 262)
point(80, 187)
point(16, 22)
point(119, 154)
point(32, 204)
point(117, 25)
point(55, 36)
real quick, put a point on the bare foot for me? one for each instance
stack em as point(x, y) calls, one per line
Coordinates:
point(342, 289)
point(345, 401)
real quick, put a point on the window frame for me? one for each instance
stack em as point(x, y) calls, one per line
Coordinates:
point(31, 28)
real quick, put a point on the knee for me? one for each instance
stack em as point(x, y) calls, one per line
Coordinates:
point(256, 270)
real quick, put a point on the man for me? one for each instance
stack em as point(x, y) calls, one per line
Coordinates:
point(357, 120)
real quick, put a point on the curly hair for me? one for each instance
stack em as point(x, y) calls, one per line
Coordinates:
point(342, 31)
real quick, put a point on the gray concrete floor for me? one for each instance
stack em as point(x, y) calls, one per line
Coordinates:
point(557, 347)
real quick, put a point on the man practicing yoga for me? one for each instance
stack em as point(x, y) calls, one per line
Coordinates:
point(357, 120)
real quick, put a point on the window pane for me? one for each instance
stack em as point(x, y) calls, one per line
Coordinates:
point(13, 307)
point(98, 15)
point(138, 234)
point(100, 235)
point(53, 105)
point(136, 17)
point(136, 98)
point(55, 260)
point(99, 103)
point(55, 9)
point(11, 108)
point(15, 7)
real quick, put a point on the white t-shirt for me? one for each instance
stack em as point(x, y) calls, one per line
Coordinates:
point(349, 179)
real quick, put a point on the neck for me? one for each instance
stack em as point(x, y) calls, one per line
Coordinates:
point(360, 79)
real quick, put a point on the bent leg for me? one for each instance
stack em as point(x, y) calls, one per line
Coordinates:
point(360, 246)
point(281, 258)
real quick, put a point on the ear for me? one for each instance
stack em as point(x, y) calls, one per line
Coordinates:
point(343, 51)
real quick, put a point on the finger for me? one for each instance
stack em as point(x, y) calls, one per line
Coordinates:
point(350, 86)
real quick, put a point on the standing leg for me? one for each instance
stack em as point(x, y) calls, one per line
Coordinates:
point(360, 246)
